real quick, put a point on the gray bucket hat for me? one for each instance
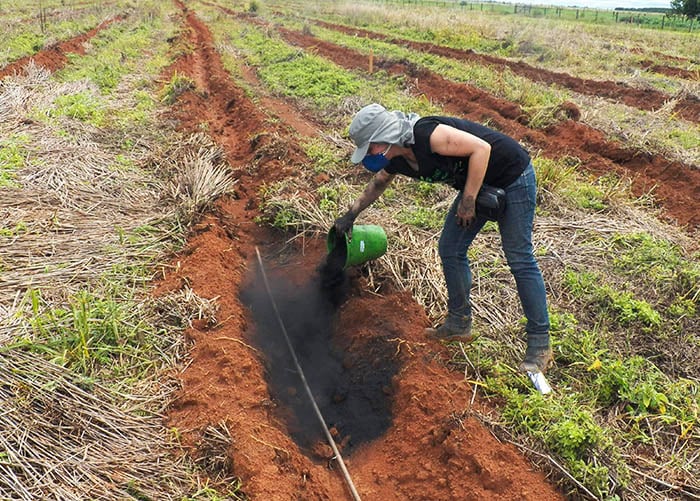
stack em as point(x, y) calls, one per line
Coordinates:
point(374, 124)
point(363, 128)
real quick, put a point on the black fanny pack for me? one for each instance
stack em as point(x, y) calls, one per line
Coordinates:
point(490, 202)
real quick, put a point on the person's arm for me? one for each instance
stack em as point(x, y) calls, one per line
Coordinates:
point(451, 142)
point(374, 189)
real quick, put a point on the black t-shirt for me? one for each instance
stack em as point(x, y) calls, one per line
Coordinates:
point(507, 161)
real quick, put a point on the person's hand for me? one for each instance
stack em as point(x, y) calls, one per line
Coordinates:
point(466, 211)
point(344, 224)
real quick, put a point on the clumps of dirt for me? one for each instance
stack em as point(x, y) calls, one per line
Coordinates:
point(670, 71)
point(568, 111)
point(410, 68)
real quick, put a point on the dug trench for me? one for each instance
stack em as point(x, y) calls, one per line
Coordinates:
point(349, 383)
point(400, 413)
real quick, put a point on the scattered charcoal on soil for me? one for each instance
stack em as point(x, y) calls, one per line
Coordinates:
point(348, 387)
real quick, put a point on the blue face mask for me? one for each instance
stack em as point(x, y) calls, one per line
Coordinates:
point(376, 162)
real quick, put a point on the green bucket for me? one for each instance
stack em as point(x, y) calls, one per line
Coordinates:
point(368, 242)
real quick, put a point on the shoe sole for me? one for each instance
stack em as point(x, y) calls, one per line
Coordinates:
point(549, 364)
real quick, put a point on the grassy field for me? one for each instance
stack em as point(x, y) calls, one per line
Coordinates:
point(99, 191)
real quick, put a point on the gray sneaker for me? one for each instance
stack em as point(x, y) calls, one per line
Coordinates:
point(453, 330)
point(537, 360)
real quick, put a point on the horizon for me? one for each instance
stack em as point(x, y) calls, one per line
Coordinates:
point(601, 4)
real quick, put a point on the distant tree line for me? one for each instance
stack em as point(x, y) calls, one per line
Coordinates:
point(687, 8)
point(652, 10)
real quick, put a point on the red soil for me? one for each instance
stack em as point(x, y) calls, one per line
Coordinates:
point(670, 71)
point(676, 185)
point(54, 57)
point(644, 99)
point(435, 449)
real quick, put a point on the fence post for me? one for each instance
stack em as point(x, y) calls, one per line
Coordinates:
point(42, 17)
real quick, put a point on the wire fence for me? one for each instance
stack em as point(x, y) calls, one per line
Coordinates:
point(642, 18)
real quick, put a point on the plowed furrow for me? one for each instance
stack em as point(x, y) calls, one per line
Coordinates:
point(675, 184)
point(54, 57)
point(687, 107)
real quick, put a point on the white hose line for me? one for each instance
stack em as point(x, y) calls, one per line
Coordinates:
point(353, 491)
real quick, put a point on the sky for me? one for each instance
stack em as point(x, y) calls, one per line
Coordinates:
point(602, 4)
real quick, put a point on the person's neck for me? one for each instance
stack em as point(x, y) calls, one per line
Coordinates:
point(410, 157)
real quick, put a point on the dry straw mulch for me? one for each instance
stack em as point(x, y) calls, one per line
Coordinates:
point(77, 211)
point(66, 438)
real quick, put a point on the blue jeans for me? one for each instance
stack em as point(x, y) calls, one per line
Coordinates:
point(515, 226)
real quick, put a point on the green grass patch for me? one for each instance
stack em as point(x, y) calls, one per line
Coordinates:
point(120, 50)
point(424, 191)
point(178, 85)
point(563, 422)
point(103, 331)
point(28, 37)
point(329, 199)
point(561, 177)
point(539, 102)
point(317, 82)
point(83, 106)
point(688, 139)
point(90, 334)
point(16, 230)
point(421, 217)
point(139, 114)
point(114, 52)
point(323, 158)
point(13, 155)
point(591, 382)
point(624, 307)
point(445, 36)
point(279, 213)
point(24, 44)
point(294, 73)
point(656, 262)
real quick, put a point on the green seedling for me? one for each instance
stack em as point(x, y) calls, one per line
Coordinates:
point(178, 85)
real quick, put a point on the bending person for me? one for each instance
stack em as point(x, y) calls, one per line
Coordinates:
point(464, 155)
